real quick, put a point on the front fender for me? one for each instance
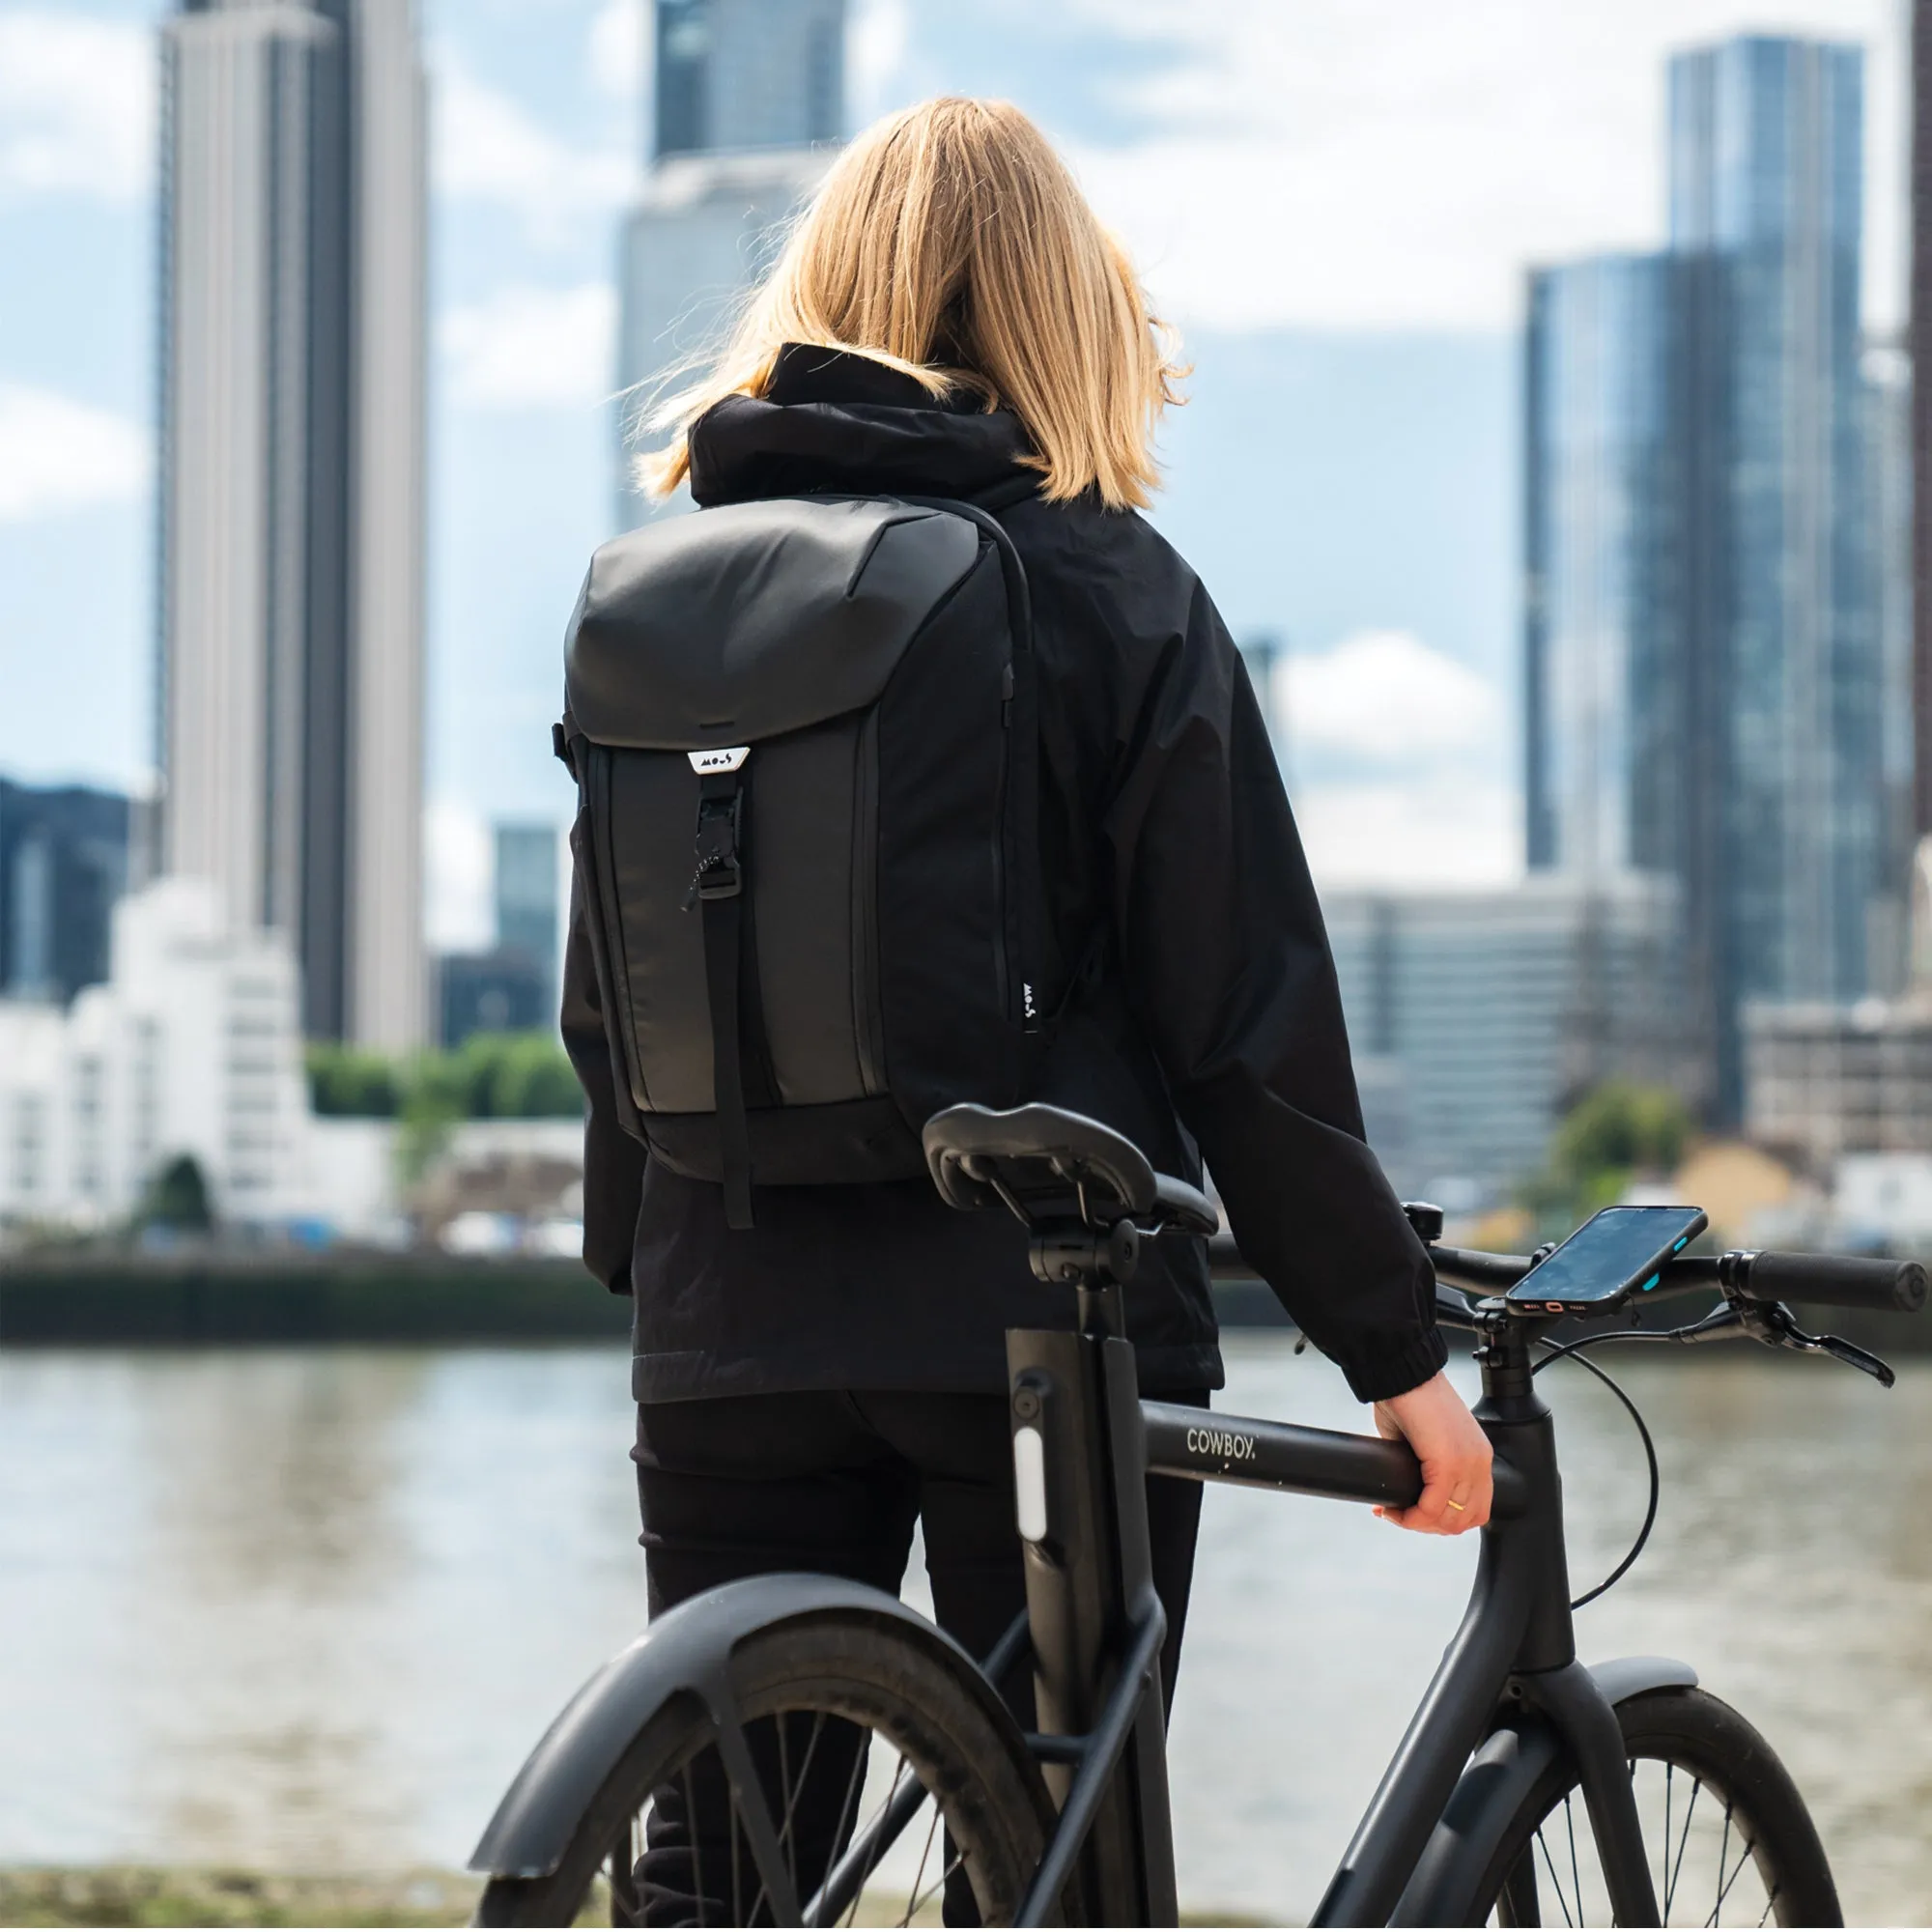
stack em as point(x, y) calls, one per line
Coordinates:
point(1494, 1787)
point(686, 1651)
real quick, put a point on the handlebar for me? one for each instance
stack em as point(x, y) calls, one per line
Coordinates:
point(1825, 1281)
point(1828, 1281)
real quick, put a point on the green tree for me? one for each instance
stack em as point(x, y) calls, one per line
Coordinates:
point(177, 1197)
point(517, 1076)
point(492, 1076)
point(352, 1081)
point(1617, 1131)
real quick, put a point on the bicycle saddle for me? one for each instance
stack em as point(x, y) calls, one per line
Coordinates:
point(1038, 1160)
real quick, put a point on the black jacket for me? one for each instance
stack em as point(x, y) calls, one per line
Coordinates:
point(1199, 1010)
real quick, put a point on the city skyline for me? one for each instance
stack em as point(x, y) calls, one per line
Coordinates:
point(521, 442)
point(1708, 576)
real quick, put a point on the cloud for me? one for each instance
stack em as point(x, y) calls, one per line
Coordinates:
point(618, 50)
point(1385, 695)
point(59, 455)
point(1380, 164)
point(459, 916)
point(77, 106)
point(531, 348)
point(489, 149)
point(875, 51)
point(1433, 832)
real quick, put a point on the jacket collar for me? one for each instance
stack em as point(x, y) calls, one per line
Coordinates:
point(838, 421)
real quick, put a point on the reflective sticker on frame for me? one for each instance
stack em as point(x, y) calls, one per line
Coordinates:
point(725, 759)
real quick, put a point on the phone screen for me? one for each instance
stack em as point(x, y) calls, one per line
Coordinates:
point(1613, 1253)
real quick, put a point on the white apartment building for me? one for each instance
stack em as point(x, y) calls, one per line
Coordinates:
point(193, 1046)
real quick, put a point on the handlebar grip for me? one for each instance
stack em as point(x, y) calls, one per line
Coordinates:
point(1835, 1281)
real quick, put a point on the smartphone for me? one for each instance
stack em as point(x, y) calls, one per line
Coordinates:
point(1616, 1252)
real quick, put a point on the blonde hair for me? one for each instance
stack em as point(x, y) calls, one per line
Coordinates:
point(949, 243)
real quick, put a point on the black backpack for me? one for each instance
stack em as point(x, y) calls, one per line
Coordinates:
point(806, 842)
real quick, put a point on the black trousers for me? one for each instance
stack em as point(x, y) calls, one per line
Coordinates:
point(833, 1481)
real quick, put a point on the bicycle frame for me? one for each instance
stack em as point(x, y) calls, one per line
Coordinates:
point(1096, 1624)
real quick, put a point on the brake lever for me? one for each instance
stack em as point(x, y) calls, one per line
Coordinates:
point(1774, 1323)
point(1855, 1357)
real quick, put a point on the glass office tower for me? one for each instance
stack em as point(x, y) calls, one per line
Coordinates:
point(1599, 625)
point(1706, 669)
point(1779, 594)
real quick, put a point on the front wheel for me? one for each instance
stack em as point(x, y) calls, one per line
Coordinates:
point(1729, 1836)
point(862, 1784)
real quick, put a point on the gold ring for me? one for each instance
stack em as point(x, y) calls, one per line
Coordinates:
point(1459, 1508)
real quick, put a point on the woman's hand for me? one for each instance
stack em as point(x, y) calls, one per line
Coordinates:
point(1449, 1443)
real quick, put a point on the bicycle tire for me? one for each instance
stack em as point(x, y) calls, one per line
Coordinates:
point(992, 1800)
point(1546, 1847)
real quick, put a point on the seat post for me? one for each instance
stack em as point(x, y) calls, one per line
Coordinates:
point(1088, 1568)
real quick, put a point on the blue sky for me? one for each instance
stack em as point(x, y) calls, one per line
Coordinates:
point(1333, 198)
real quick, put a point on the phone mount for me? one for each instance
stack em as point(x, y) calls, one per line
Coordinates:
point(1086, 1195)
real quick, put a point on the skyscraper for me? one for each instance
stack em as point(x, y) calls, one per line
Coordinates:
point(1705, 609)
point(527, 900)
point(1598, 622)
point(1779, 594)
point(63, 863)
point(1919, 349)
point(290, 721)
point(748, 99)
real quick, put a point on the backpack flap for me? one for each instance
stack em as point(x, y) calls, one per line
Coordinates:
point(742, 624)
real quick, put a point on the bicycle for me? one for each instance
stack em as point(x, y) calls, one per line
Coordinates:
point(778, 1709)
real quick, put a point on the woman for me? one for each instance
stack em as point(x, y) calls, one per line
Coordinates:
point(950, 320)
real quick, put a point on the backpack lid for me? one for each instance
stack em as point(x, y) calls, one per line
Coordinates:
point(735, 624)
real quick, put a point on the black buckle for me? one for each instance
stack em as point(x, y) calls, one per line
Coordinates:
point(718, 874)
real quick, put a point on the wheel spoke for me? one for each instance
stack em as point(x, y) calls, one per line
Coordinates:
point(1723, 1858)
point(804, 1772)
point(788, 1798)
point(1576, 1876)
point(1664, 1866)
point(924, 1853)
point(697, 1849)
point(1555, 1883)
point(748, 1793)
point(959, 1860)
point(1682, 1845)
point(1744, 1851)
point(737, 1897)
point(840, 1839)
point(873, 1852)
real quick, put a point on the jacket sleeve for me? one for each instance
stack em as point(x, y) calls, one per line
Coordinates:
point(1228, 964)
point(613, 1163)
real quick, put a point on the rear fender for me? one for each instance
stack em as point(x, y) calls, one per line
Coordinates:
point(1498, 1782)
point(686, 1652)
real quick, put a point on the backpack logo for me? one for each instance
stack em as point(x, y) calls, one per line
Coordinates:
point(728, 760)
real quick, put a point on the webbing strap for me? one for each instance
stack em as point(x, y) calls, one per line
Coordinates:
point(719, 886)
point(723, 929)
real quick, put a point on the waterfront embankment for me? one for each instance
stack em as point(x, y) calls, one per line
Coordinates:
point(102, 1298)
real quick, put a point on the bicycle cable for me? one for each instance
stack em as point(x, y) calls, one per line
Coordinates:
point(1573, 1350)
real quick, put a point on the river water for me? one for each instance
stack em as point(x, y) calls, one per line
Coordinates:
point(307, 1609)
